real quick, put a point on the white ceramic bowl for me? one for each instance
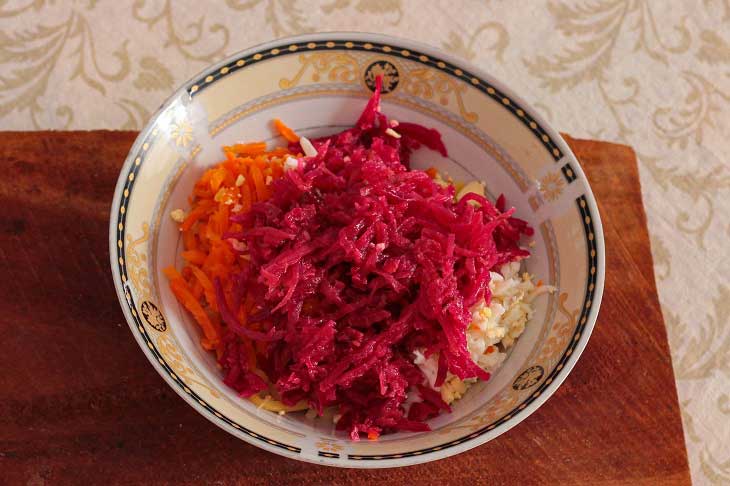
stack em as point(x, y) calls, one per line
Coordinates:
point(318, 84)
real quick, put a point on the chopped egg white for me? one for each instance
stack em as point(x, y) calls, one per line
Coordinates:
point(392, 133)
point(290, 163)
point(493, 329)
point(453, 389)
point(223, 195)
point(307, 147)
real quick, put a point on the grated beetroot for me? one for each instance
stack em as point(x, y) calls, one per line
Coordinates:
point(355, 262)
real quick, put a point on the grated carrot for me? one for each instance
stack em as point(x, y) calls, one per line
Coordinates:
point(253, 148)
point(237, 182)
point(196, 257)
point(286, 132)
point(194, 216)
point(185, 296)
point(245, 198)
point(258, 180)
point(216, 178)
point(207, 286)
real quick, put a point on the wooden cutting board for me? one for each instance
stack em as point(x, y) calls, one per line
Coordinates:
point(79, 403)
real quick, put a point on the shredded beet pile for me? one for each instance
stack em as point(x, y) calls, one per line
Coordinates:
point(355, 262)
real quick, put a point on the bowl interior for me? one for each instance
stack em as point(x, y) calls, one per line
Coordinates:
point(319, 85)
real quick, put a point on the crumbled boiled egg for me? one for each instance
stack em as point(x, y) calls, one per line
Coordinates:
point(290, 163)
point(475, 187)
point(452, 389)
point(237, 245)
point(177, 215)
point(485, 312)
point(221, 195)
point(392, 133)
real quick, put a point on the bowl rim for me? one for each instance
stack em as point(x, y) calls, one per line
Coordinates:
point(397, 42)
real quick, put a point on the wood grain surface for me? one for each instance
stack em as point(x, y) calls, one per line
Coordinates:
point(79, 403)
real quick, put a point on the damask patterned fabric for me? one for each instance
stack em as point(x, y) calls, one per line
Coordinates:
point(651, 74)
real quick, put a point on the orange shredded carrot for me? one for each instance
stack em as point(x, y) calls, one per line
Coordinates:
point(194, 256)
point(277, 169)
point(286, 132)
point(171, 273)
point(253, 148)
point(258, 180)
point(191, 218)
point(185, 296)
point(431, 172)
point(217, 178)
point(280, 152)
point(190, 240)
point(197, 290)
point(245, 198)
point(207, 286)
point(230, 187)
point(207, 344)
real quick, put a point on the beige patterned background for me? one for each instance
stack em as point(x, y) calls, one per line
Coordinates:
point(652, 74)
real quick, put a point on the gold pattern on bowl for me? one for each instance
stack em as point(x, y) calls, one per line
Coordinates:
point(420, 82)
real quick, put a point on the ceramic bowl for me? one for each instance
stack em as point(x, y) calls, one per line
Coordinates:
point(319, 84)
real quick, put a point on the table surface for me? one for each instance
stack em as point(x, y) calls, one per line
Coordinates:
point(79, 401)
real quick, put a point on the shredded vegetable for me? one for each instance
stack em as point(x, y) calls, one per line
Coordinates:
point(225, 190)
point(315, 278)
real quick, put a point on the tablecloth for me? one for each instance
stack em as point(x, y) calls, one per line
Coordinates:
point(651, 74)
